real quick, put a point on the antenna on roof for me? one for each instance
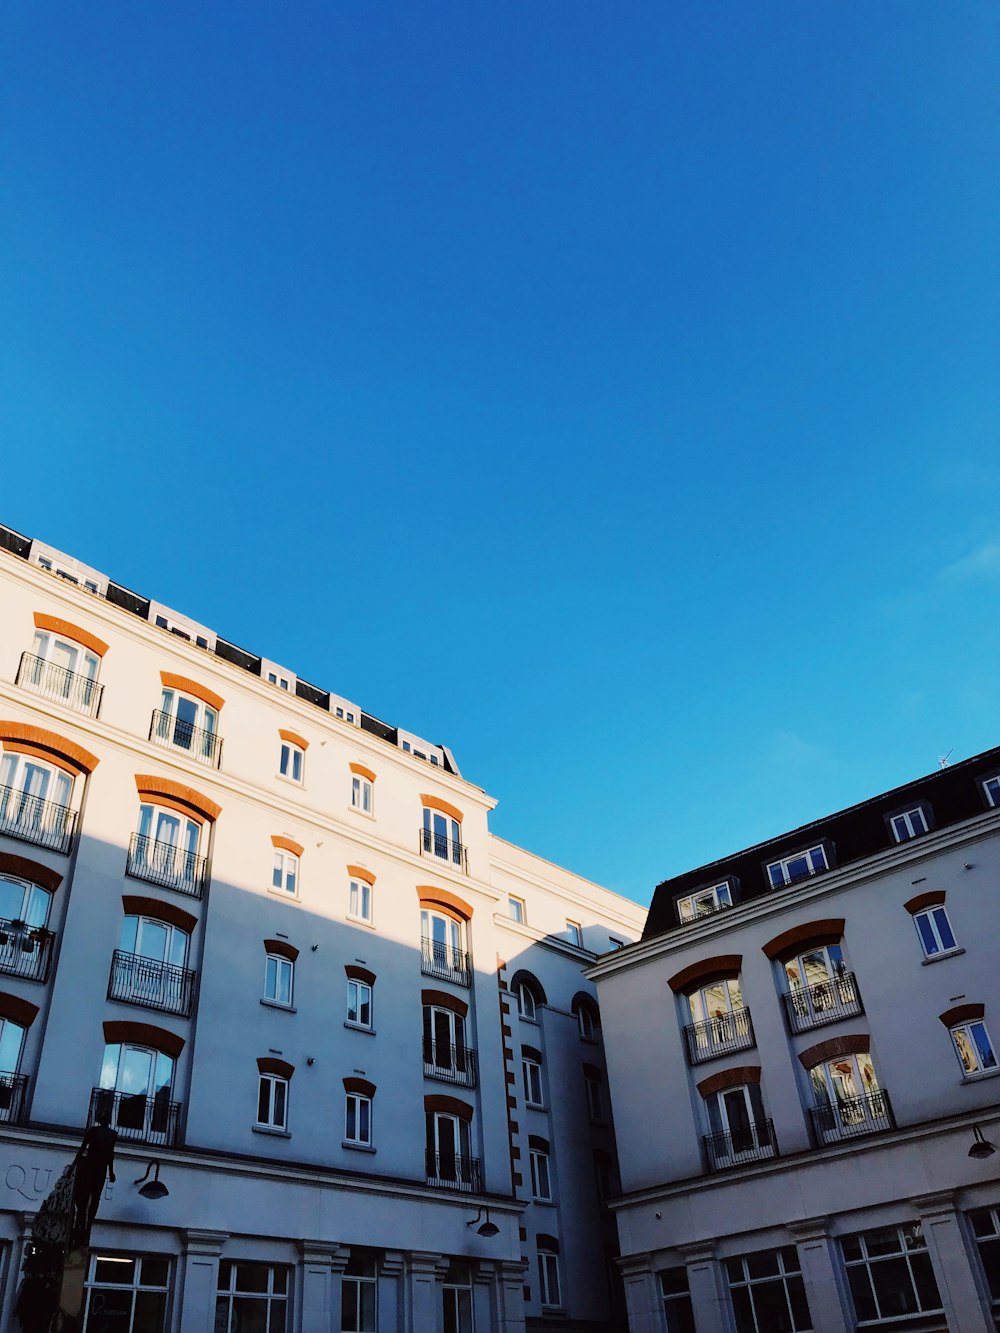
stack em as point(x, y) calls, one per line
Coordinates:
point(943, 759)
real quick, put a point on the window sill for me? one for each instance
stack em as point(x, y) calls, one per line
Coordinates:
point(282, 777)
point(271, 1131)
point(360, 921)
point(365, 814)
point(535, 1106)
point(359, 1027)
point(358, 1147)
point(276, 1004)
point(980, 1074)
point(543, 1203)
point(940, 957)
point(284, 894)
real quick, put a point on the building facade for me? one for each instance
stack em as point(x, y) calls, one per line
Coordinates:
point(803, 1061)
point(273, 940)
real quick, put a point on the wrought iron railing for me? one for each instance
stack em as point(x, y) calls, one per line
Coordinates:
point(13, 1092)
point(30, 819)
point(205, 746)
point(25, 951)
point(154, 985)
point(450, 1064)
point(138, 1117)
point(728, 1032)
point(57, 683)
point(445, 961)
point(823, 1002)
point(455, 1173)
point(852, 1118)
point(443, 847)
point(753, 1143)
point(164, 864)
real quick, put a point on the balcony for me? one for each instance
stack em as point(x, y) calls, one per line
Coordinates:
point(166, 865)
point(455, 1173)
point(137, 1117)
point(752, 1143)
point(25, 951)
point(30, 819)
point(449, 1064)
point(719, 1036)
point(205, 746)
point(851, 1119)
point(13, 1090)
point(62, 686)
point(444, 961)
point(151, 984)
point(444, 848)
point(824, 1002)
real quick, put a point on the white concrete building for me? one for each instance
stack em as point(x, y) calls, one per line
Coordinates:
point(274, 938)
point(803, 1062)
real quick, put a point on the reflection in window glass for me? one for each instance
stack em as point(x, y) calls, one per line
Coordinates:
point(126, 1292)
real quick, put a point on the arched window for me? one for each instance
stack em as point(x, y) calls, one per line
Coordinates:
point(588, 1016)
point(150, 964)
point(528, 995)
point(63, 664)
point(550, 1290)
point(444, 944)
point(137, 1077)
point(448, 1124)
point(849, 1100)
point(188, 718)
point(441, 831)
point(36, 796)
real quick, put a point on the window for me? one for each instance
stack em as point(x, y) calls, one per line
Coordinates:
point(34, 800)
point(848, 1098)
point(279, 972)
point(272, 1102)
point(252, 1297)
point(442, 836)
point(445, 1052)
point(799, 866)
point(360, 904)
point(935, 932)
point(595, 1099)
point(820, 989)
point(739, 1129)
point(359, 1003)
point(11, 1042)
point(359, 1288)
point(677, 1300)
point(541, 1178)
point(909, 824)
point(992, 789)
point(282, 682)
point(24, 902)
point(973, 1047)
point(362, 794)
point(292, 761)
point(767, 1292)
point(549, 1293)
point(524, 997)
point(889, 1273)
point(574, 933)
point(443, 947)
point(515, 909)
point(285, 875)
point(62, 670)
point(127, 1292)
point(358, 1119)
point(719, 1021)
point(602, 1175)
point(165, 849)
point(188, 723)
point(448, 1142)
point(150, 966)
point(985, 1224)
point(456, 1293)
point(25, 944)
point(704, 902)
point(531, 1075)
point(138, 1080)
point(587, 1022)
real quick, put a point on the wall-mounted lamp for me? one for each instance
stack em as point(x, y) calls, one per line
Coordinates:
point(155, 1188)
point(980, 1147)
point(486, 1228)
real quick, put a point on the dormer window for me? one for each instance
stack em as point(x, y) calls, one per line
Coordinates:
point(704, 903)
point(800, 866)
point(991, 790)
point(909, 824)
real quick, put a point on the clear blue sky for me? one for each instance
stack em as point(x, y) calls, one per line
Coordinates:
point(609, 391)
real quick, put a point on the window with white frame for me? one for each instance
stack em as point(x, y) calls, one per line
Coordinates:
point(909, 824)
point(166, 848)
point(445, 1052)
point(704, 903)
point(676, 1296)
point(889, 1273)
point(24, 902)
point(531, 1075)
point(791, 869)
point(443, 946)
point(541, 1176)
point(456, 1296)
point(848, 1097)
point(189, 723)
point(150, 965)
point(441, 836)
point(515, 909)
point(526, 1000)
point(279, 973)
point(549, 1289)
point(739, 1129)
point(448, 1144)
point(272, 1102)
point(252, 1296)
point(126, 1292)
point(991, 786)
point(574, 933)
point(362, 794)
point(973, 1047)
point(35, 799)
point(359, 1003)
point(282, 682)
point(285, 875)
point(359, 1290)
point(767, 1292)
point(718, 1017)
point(62, 670)
point(985, 1223)
point(11, 1044)
point(819, 986)
point(360, 901)
point(358, 1119)
point(138, 1081)
point(934, 931)
point(587, 1019)
point(291, 762)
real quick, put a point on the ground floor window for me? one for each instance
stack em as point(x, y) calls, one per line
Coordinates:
point(890, 1273)
point(986, 1229)
point(767, 1292)
point(358, 1291)
point(127, 1292)
point(253, 1298)
point(677, 1300)
point(457, 1290)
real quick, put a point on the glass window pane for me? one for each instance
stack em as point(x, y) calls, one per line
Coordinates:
point(150, 1307)
point(893, 1287)
point(944, 928)
point(861, 1293)
point(927, 937)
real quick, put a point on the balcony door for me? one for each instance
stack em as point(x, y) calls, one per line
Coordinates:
point(169, 842)
point(63, 669)
point(140, 1079)
point(444, 1040)
point(447, 1147)
point(188, 723)
point(848, 1098)
point(25, 902)
point(152, 950)
point(817, 982)
point(33, 796)
point(739, 1128)
point(442, 836)
point(445, 936)
point(11, 1041)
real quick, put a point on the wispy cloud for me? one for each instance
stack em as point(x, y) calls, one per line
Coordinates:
point(981, 564)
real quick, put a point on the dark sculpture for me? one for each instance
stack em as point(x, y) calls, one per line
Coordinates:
point(95, 1163)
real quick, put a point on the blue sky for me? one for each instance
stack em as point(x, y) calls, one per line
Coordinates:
point(608, 391)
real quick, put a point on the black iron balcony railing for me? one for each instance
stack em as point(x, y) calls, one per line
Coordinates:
point(137, 1117)
point(823, 1002)
point(25, 951)
point(205, 746)
point(30, 819)
point(851, 1119)
point(753, 1143)
point(450, 1064)
point(13, 1091)
point(154, 985)
point(455, 1173)
point(164, 864)
point(445, 848)
point(445, 961)
point(56, 683)
point(719, 1036)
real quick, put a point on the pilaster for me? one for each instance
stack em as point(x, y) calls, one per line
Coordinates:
point(957, 1280)
point(819, 1274)
point(200, 1279)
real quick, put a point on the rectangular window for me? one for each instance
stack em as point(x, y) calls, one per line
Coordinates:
point(361, 900)
point(252, 1297)
point(541, 1181)
point(910, 824)
point(127, 1292)
point(767, 1292)
point(992, 789)
point(550, 1293)
point(515, 908)
point(973, 1047)
point(291, 762)
point(574, 933)
point(456, 1294)
point(359, 1003)
point(532, 1076)
point(358, 1119)
point(704, 903)
point(359, 1288)
point(889, 1273)
point(935, 932)
point(285, 875)
point(985, 1224)
point(362, 794)
point(595, 1108)
point(278, 974)
point(677, 1300)
point(800, 866)
point(272, 1102)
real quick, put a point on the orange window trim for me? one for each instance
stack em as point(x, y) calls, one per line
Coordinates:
point(269, 1064)
point(449, 1105)
point(442, 1000)
point(933, 898)
point(22, 868)
point(282, 948)
point(144, 1034)
point(293, 738)
point(17, 1010)
point(48, 745)
point(134, 905)
point(962, 1013)
point(810, 935)
point(363, 772)
point(171, 681)
point(721, 967)
point(436, 803)
point(444, 900)
point(67, 630)
point(729, 1078)
point(857, 1044)
point(359, 973)
point(359, 872)
point(176, 796)
point(362, 1085)
point(287, 844)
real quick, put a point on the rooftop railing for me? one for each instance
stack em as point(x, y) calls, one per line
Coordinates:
point(721, 1035)
point(205, 746)
point(57, 683)
point(823, 1002)
point(31, 819)
point(151, 984)
point(164, 864)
